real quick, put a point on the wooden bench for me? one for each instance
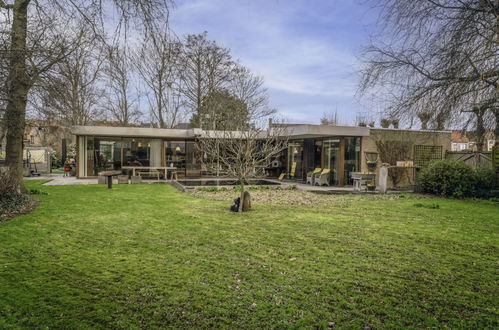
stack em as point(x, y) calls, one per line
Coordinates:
point(149, 172)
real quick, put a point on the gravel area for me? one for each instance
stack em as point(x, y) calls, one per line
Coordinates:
point(290, 197)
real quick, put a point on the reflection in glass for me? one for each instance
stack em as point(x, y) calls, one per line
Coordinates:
point(352, 157)
point(331, 150)
point(295, 159)
point(175, 154)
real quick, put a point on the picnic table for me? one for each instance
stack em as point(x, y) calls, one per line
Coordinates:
point(110, 175)
point(147, 168)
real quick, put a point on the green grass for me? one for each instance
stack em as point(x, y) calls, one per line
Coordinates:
point(147, 256)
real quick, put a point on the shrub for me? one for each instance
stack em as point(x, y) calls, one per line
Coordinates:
point(485, 182)
point(457, 179)
point(448, 178)
point(10, 199)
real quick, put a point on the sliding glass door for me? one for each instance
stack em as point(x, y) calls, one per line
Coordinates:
point(175, 154)
point(352, 157)
point(295, 159)
point(331, 154)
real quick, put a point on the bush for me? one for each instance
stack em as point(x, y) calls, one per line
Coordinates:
point(10, 199)
point(485, 183)
point(457, 179)
point(448, 178)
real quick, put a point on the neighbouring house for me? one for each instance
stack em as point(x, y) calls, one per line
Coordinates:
point(464, 141)
point(342, 149)
point(42, 133)
point(41, 140)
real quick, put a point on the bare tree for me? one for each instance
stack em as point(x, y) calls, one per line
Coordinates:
point(249, 88)
point(25, 68)
point(122, 102)
point(157, 62)
point(440, 61)
point(71, 93)
point(330, 119)
point(205, 67)
point(243, 154)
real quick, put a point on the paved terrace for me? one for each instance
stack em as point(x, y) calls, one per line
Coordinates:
point(60, 180)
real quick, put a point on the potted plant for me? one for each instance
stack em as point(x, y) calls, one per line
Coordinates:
point(371, 164)
point(385, 123)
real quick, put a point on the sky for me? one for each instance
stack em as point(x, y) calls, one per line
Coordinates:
point(306, 50)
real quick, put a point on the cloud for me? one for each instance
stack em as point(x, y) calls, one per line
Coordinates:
point(304, 49)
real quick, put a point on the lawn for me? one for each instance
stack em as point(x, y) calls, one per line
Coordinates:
point(147, 256)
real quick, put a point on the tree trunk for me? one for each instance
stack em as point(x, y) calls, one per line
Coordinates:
point(480, 130)
point(241, 198)
point(17, 93)
point(496, 131)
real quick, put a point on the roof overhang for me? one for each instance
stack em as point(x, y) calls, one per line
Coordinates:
point(315, 131)
point(135, 132)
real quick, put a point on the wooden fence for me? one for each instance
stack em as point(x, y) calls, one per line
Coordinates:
point(474, 159)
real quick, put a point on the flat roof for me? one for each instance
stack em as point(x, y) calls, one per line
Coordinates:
point(136, 131)
point(297, 131)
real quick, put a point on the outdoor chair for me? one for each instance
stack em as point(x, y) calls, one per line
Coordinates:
point(323, 179)
point(312, 175)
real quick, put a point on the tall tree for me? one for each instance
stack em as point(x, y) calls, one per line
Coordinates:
point(122, 100)
point(437, 59)
point(157, 62)
point(205, 67)
point(248, 87)
point(72, 92)
point(221, 111)
point(20, 80)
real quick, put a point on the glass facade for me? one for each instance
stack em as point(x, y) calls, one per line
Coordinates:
point(339, 154)
point(352, 157)
point(175, 154)
point(110, 153)
point(332, 159)
point(295, 159)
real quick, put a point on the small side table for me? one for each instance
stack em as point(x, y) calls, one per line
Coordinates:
point(110, 175)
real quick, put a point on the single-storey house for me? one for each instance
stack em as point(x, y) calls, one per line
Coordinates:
point(343, 149)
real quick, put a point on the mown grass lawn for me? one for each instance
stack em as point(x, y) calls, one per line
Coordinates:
point(147, 256)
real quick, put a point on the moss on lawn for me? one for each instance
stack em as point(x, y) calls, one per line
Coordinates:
point(147, 256)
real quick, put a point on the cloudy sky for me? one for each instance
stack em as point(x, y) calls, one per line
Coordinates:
point(305, 49)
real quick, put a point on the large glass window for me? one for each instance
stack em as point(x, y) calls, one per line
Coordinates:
point(192, 160)
point(352, 157)
point(107, 154)
point(295, 159)
point(317, 153)
point(331, 154)
point(175, 154)
point(137, 152)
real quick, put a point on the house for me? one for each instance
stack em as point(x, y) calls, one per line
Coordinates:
point(343, 149)
point(464, 141)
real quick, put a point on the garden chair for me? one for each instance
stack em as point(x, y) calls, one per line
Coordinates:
point(323, 179)
point(312, 175)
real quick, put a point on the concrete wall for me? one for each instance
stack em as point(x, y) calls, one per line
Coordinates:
point(413, 137)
